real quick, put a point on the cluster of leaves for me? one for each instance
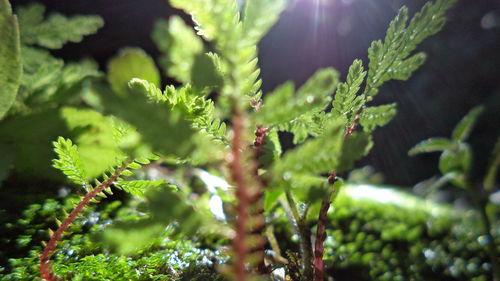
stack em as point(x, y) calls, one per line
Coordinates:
point(401, 239)
point(111, 126)
point(455, 165)
point(82, 258)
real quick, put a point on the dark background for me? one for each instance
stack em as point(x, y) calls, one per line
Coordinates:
point(462, 69)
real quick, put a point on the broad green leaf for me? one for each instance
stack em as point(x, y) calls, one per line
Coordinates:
point(179, 45)
point(274, 103)
point(164, 207)
point(456, 160)
point(354, 148)
point(271, 196)
point(10, 61)
point(431, 145)
point(69, 161)
point(374, 116)
point(195, 108)
point(258, 17)
point(491, 174)
point(314, 156)
point(175, 138)
point(131, 63)
point(464, 127)
point(31, 146)
point(204, 74)
point(57, 29)
point(305, 187)
point(32, 150)
point(93, 133)
point(271, 150)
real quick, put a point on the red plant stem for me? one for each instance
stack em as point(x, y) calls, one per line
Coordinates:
point(242, 195)
point(319, 249)
point(260, 133)
point(48, 251)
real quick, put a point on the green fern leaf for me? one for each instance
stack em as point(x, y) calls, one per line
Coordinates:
point(389, 59)
point(69, 161)
point(374, 116)
point(139, 187)
point(281, 106)
point(56, 30)
point(305, 126)
point(310, 157)
point(258, 17)
point(180, 46)
point(215, 19)
point(347, 103)
point(198, 110)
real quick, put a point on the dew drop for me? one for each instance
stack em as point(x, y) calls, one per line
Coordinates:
point(483, 240)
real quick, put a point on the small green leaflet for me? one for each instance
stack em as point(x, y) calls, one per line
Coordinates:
point(69, 161)
point(464, 127)
point(56, 30)
point(282, 106)
point(374, 116)
point(258, 17)
point(431, 145)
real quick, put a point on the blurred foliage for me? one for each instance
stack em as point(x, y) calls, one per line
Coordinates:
point(122, 133)
point(373, 234)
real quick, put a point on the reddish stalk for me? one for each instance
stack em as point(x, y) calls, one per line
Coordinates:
point(319, 249)
point(242, 195)
point(48, 251)
point(258, 229)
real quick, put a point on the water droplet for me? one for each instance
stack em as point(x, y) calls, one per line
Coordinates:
point(287, 176)
point(309, 99)
point(453, 270)
point(483, 240)
point(429, 254)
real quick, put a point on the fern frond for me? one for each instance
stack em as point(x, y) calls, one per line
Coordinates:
point(56, 30)
point(179, 45)
point(197, 110)
point(258, 17)
point(282, 106)
point(69, 161)
point(310, 157)
point(347, 103)
point(389, 59)
point(305, 126)
point(215, 19)
point(138, 187)
point(374, 116)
